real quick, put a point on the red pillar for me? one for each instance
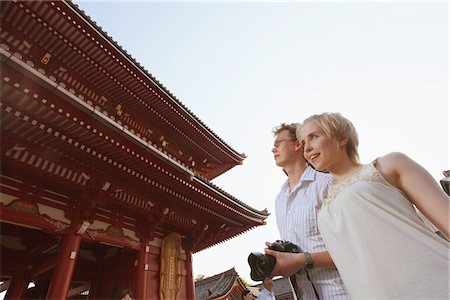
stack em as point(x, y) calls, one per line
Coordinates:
point(17, 287)
point(190, 290)
point(140, 291)
point(62, 277)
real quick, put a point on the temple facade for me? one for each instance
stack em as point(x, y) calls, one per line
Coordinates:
point(105, 179)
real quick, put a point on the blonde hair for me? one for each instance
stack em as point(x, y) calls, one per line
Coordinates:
point(337, 127)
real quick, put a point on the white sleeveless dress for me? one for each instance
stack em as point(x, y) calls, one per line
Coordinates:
point(380, 246)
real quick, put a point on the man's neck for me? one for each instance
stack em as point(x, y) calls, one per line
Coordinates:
point(294, 173)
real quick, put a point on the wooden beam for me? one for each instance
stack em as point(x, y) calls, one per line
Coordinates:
point(43, 267)
point(79, 289)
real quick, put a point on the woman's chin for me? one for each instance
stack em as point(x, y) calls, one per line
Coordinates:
point(319, 168)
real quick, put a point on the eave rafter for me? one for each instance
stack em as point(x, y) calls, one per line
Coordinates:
point(64, 130)
point(117, 78)
point(126, 130)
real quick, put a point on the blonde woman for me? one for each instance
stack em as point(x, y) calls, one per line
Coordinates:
point(379, 244)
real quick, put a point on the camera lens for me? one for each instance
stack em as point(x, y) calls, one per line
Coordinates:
point(261, 265)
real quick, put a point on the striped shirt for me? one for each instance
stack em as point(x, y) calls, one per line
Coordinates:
point(296, 215)
point(266, 295)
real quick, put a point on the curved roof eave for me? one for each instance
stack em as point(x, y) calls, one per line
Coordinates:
point(225, 240)
point(238, 156)
point(260, 213)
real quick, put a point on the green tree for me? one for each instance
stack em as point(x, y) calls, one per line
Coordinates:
point(199, 277)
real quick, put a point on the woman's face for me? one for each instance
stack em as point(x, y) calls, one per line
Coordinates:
point(318, 148)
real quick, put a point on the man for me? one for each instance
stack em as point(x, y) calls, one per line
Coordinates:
point(296, 208)
point(267, 291)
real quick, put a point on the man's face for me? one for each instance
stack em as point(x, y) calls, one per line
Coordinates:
point(284, 148)
point(268, 284)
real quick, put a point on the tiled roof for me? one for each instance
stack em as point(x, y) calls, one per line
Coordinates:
point(281, 287)
point(216, 286)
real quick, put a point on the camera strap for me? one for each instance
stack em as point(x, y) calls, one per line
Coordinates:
point(315, 291)
point(297, 290)
point(298, 294)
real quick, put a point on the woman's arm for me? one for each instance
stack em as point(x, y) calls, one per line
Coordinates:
point(419, 187)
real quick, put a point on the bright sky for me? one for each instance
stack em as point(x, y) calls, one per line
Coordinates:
point(243, 68)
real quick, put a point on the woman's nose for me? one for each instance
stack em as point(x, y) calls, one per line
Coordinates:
point(307, 147)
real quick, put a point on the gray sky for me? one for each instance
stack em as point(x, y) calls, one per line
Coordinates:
point(243, 68)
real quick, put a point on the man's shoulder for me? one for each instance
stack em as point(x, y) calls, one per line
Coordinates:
point(320, 176)
point(284, 186)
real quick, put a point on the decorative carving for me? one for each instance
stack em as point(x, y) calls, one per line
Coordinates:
point(59, 226)
point(119, 110)
point(147, 226)
point(24, 207)
point(113, 235)
point(171, 272)
point(197, 233)
point(46, 58)
point(29, 208)
point(115, 231)
point(91, 195)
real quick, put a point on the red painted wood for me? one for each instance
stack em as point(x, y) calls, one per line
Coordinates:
point(142, 270)
point(62, 277)
point(17, 287)
point(190, 288)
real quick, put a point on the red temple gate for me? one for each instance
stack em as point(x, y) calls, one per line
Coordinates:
point(99, 164)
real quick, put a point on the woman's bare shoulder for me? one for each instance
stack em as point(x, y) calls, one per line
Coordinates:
point(392, 165)
point(393, 159)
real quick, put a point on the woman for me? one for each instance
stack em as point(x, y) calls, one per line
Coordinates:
point(379, 244)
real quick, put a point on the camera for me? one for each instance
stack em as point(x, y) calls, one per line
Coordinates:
point(261, 265)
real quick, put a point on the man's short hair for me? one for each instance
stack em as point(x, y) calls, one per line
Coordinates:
point(291, 128)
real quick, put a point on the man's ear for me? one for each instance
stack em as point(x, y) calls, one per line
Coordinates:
point(298, 146)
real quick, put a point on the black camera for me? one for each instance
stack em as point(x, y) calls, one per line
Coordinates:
point(261, 265)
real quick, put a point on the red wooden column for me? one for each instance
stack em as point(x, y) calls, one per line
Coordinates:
point(190, 290)
point(147, 228)
point(62, 277)
point(17, 287)
point(140, 291)
point(81, 215)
